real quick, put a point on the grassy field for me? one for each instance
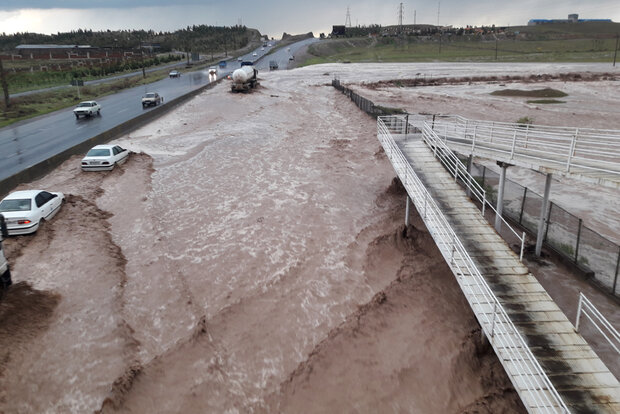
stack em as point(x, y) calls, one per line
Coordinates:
point(29, 106)
point(412, 50)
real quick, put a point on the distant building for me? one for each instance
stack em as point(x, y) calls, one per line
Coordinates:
point(338, 30)
point(572, 18)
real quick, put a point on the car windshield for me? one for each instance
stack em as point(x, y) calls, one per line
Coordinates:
point(98, 152)
point(85, 104)
point(21, 204)
point(150, 95)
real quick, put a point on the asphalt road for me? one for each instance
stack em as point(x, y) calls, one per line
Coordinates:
point(29, 142)
point(282, 56)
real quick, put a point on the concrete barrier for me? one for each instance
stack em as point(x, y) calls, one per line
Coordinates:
point(44, 167)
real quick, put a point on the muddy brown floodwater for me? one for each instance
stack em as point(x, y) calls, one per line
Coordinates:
point(249, 257)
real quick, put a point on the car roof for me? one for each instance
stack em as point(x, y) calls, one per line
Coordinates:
point(22, 194)
point(106, 146)
point(87, 102)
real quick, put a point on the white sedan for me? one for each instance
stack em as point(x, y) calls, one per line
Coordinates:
point(87, 108)
point(104, 158)
point(24, 211)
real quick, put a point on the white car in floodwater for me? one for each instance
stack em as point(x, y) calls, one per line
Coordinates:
point(104, 158)
point(24, 211)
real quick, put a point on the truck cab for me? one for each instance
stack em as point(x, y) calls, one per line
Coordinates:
point(5, 272)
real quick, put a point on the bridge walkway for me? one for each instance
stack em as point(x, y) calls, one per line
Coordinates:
point(582, 381)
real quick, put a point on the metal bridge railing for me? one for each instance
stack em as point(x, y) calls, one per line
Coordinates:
point(594, 150)
point(456, 168)
point(522, 367)
point(601, 324)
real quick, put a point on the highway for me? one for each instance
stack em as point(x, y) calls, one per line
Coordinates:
point(29, 142)
point(281, 56)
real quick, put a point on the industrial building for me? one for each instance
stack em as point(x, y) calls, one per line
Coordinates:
point(572, 18)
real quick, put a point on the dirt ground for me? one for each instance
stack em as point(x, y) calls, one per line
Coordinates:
point(249, 257)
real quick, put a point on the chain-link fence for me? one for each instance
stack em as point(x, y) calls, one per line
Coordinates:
point(564, 232)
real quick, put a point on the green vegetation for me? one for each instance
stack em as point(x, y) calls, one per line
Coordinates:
point(525, 120)
point(536, 93)
point(461, 48)
point(25, 107)
point(201, 38)
point(25, 74)
point(545, 101)
point(25, 80)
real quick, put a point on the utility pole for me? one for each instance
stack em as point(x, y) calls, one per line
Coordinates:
point(438, 9)
point(615, 50)
point(5, 86)
point(414, 19)
point(496, 48)
point(347, 22)
point(400, 17)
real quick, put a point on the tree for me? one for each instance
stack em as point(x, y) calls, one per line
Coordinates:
point(5, 86)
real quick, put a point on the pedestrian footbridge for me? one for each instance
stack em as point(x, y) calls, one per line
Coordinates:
point(551, 366)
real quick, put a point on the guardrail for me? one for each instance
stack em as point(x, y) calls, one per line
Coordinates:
point(586, 308)
point(595, 150)
point(509, 345)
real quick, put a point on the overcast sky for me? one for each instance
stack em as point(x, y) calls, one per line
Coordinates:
point(273, 17)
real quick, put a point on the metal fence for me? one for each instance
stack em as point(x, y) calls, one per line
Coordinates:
point(564, 232)
point(586, 149)
point(533, 385)
point(364, 104)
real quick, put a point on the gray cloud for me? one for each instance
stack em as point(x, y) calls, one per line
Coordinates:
point(276, 16)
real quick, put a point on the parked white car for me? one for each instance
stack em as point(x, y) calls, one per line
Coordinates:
point(104, 158)
point(87, 108)
point(24, 211)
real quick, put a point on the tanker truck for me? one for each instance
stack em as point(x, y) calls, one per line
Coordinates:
point(244, 79)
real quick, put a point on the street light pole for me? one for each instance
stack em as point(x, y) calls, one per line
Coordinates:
point(616, 49)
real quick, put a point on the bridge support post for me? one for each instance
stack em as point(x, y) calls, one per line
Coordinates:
point(407, 212)
point(500, 195)
point(543, 214)
point(470, 161)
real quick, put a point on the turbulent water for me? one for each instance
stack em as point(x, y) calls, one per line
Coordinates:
point(249, 257)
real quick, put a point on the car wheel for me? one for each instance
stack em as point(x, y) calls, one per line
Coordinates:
point(98, 111)
point(5, 280)
point(41, 223)
point(77, 116)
